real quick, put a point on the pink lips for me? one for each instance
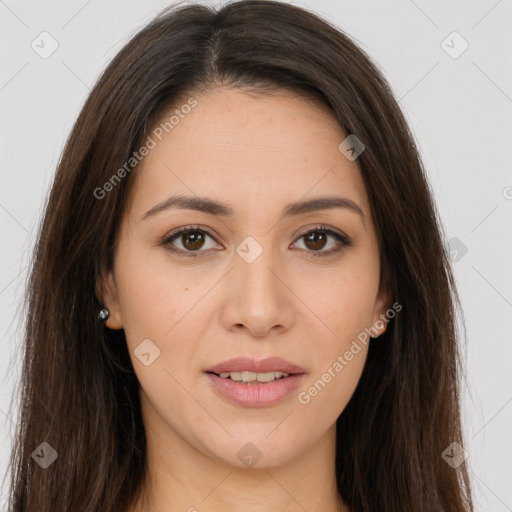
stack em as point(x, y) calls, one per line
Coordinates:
point(257, 394)
point(271, 364)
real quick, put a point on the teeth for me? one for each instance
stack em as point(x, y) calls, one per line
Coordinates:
point(251, 376)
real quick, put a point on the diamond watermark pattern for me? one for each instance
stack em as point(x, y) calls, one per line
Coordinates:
point(44, 455)
point(457, 249)
point(454, 45)
point(351, 147)
point(249, 455)
point(44, 45)
point(455, 455)
point(249, 250)
point(146, 352)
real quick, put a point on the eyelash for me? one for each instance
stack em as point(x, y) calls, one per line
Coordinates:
point(342, 240)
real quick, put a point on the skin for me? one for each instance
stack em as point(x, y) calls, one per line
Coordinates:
point(257, 154)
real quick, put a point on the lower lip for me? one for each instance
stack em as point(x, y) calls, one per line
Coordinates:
point(262, 394)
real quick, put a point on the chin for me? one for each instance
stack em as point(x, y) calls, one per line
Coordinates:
point(251, 450)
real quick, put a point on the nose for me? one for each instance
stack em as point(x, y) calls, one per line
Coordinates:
point(258, 298)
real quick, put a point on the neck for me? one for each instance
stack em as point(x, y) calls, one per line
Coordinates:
point(182, 477)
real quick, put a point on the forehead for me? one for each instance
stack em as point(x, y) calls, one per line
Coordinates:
point(250, 148)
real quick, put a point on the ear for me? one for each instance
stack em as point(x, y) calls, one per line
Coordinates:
point(106, 290)
point(382, 304)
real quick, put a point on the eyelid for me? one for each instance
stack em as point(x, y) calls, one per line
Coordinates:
point(323, 228)
point(175, 233)
point(343, 240)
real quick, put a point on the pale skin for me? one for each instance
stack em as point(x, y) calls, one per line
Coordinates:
point(256, 155)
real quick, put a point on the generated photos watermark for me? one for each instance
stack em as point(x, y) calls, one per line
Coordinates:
point(165, 126)
point(304, 397)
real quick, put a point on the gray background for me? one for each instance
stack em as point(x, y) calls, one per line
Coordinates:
point(459, 108)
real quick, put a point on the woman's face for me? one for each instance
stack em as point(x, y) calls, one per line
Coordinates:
point(260, 274)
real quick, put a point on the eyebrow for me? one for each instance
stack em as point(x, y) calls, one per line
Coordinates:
point(213, 207)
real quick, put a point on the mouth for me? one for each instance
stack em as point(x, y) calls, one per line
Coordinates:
point(251, 383)
point(252, 378)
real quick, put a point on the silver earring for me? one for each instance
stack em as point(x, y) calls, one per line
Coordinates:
point(103, 314)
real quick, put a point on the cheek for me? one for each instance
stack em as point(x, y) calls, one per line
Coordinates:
point(156, 306)
point(345, 307)
point(344, 301)
point(340, 353)
point(163, 307)
point(325, 396)
point(151, 299)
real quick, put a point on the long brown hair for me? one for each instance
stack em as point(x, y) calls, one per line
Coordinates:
point(79, 391)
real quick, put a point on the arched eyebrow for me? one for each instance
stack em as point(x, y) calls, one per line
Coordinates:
point(214, 207)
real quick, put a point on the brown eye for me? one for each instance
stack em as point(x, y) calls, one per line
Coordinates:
point(315, 240)
point(191, 239)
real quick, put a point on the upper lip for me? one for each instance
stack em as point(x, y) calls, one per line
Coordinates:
point(271, 364)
